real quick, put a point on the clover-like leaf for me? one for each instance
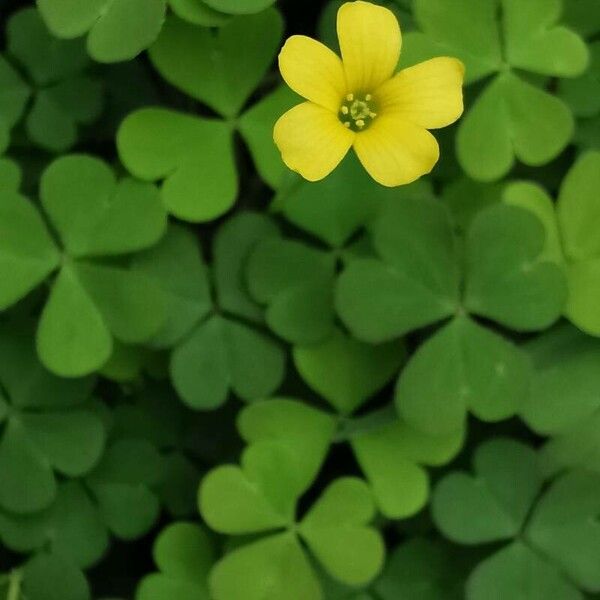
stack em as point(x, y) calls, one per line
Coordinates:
point(582, 16)
point(239, 7)
point(14, 93)
point(336, 530)
point(462, 367)
point(194, 156)
point(94, 214)
point(177, 266)
point(346, 372)
point(418, 282)
point(27, 252)
point(582, 93)
point(500, 126)
point(268, 569)
point(183, 554)
point(392, 458)
point(494, 504)
point(506, 280)
point(305, 431)
point(226, 77)
point(222, 354)
point(118, 30)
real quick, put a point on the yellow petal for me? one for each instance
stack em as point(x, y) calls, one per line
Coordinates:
point(312, 141)
point(396, 152)
point(313, 71)
point(428, 94)
point(370, 41)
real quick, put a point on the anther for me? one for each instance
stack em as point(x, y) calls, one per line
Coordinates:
point(350, 97)
point(347, 124)
point(360, 123)
point(368, 97)
point(345, 110)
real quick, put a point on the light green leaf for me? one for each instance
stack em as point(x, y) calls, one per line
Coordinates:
point(235, 58)
point(501, 126)
point(68, 582)
point(391, 458)
point(198, 13)
point(346, 372)
point(27, 252)
point(306, 432)
point(193, 155)
point(239, 6)
point(506, 280)
point(274, 568)
point(493, 504)
point(118, 30)
point(95, 215)
point(72, 337)
point(14, 93)
point(336, 530)
point(584, 292)
point(462, 367)
point(582, 94)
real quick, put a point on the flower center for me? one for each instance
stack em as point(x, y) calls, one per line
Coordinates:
point(357, 111)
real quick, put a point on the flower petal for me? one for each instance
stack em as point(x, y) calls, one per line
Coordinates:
point(428, 94)
point(396, 152)
point(312, 140)
point(370, 41)
point(313, 71)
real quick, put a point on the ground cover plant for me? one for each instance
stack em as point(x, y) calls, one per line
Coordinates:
point(299, 300)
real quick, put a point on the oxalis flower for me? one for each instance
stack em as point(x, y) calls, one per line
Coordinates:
point(358, 101)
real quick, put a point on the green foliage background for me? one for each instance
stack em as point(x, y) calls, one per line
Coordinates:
point(220, 381)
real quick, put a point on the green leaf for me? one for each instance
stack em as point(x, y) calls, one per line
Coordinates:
point(198, 13)
point(493, 504)
point(566, 382)
point(418, 282)
point(564, 527)
point(95, 215)
point(27, 252)
point(258, 496)
point(305, 431)
point(14, 93)
point(346, 372)
point(391, 458)
point(448, 30)
point(232, 245)
point(584, 291)
point(10, 175)
point(72, 337)
point(221, 354)
point(28, 483)
point(422, 569)
point(583, 16)
point(502, 126)
point(520, 573)
point(336, 530)
point(274, 568)
point(535, 42)
point(68, 582)
point(462, 367)
point(118, 30)
point(506, 280)
point(256, 127)
point(239, 6)
point(229, 72)
point(177, 267)
point(193, 155)
point(295, 281)
point(183, 554)
point(578, 209)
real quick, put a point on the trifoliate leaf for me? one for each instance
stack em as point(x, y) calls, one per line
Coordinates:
point(14, 93)
point(68, 582)
point(198, 13)
point(193, 155)
point(239, 6)
point(582, 94)
point(462, 367)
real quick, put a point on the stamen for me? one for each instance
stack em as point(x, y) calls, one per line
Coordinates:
point(357, 111)
point(350, 97)
point(360, 123)
point(368, 98)
point(345, 110)
point(347, 124)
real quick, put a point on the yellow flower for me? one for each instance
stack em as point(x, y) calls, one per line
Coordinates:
point(360, 102)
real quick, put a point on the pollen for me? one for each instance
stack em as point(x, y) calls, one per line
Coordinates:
point(357, 111)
